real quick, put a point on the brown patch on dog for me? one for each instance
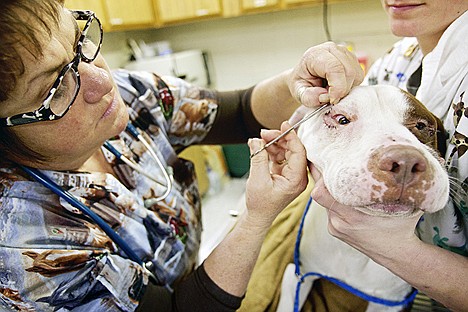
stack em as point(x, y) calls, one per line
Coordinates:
point(405, 173)
point(425, 125)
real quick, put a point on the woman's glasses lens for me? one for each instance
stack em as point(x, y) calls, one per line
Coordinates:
point(65, 93)
point(92, 40)
point(68, 87)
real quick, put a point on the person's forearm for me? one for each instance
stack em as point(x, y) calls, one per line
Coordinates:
point(231, 263)
point(438, 273)
point(271, 186)
point(272, 102)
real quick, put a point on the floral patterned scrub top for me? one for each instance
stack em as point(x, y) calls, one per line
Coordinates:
point(443, 89)
point(54, 258)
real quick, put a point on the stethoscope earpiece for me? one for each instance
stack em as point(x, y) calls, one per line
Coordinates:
point(168, 175)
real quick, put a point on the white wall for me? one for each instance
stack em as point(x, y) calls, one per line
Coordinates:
point(244, 50)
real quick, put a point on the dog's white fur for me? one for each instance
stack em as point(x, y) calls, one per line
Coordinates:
point(368, 152)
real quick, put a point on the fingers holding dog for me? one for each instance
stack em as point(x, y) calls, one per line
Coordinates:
point(344, 72)
point(326, 69)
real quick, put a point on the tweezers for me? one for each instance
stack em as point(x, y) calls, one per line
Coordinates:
point(297, 124)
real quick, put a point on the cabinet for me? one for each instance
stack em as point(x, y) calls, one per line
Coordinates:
point(287, 3)
point(93, 5)
point(299, 2)
point(230, 8)
point(124, 14)
point(259, 5)
point(170, 11)
point(118, 14)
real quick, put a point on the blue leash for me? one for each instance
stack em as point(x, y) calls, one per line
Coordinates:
point(338, 282)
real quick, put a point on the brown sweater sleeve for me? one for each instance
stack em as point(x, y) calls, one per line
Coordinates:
point(234, 122)
point(197, 293)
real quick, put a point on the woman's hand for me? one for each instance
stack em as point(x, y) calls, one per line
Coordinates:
point(271, 186)
point(326, 73)
point(277, 175)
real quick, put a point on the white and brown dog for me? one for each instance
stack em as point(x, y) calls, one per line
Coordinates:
point(377, 151)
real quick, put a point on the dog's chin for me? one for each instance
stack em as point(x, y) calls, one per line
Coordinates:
point(389, 210)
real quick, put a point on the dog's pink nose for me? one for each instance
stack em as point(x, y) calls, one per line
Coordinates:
point(403, 163)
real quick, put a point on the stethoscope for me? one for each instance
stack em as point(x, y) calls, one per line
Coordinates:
point(72, 200)
point(168, 175)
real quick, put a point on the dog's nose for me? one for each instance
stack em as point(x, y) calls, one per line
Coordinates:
point(404, 163)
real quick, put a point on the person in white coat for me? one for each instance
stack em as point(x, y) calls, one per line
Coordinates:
point(432, 63)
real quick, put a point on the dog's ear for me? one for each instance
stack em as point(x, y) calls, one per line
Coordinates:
point(442, 137)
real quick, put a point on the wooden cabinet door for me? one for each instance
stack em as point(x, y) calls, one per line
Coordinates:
point(231, 8)
point(170, 11)
point(124, 14)
point(296, 2)
point(308, 2)
point(93, 5)
point(173, 10)
point(206, 7)
point(254, 5)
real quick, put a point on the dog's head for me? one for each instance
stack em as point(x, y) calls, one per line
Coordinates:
point(378, 150)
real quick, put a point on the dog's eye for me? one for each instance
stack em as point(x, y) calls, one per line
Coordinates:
point(342, 120)
point(420, 125)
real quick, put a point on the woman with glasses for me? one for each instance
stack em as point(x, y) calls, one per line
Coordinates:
point(98, 212)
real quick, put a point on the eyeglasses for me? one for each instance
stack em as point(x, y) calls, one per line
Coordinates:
point(65, 89)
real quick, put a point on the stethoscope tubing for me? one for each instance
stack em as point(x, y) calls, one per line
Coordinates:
point(72, 200)
point(130, 163)
point(133, 130)
point(167, 177)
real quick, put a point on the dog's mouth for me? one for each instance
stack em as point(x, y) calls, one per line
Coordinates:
point(390, 209)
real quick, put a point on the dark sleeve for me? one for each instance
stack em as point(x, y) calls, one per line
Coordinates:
point(197, 293)
point(234, 121)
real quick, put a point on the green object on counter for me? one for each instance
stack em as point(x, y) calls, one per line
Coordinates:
point(237, 159)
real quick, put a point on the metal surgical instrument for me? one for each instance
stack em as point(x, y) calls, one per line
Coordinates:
point(297, 124)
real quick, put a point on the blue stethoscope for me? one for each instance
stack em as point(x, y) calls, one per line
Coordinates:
point(72, 200)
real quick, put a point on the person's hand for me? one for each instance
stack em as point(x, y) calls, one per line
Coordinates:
point(326, 73)
point(373, 235)
point(277, 175)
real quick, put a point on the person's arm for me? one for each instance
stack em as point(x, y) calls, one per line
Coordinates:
point(275, 99)
point(221, 282)
point(270, 188)
point(392, 242)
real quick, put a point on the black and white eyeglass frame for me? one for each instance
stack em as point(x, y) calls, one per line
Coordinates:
point(45, 113)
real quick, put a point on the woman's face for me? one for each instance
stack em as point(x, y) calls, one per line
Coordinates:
point(97, 114)
point(424, 19)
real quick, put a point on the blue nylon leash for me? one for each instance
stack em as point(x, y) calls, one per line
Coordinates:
point(336, 281)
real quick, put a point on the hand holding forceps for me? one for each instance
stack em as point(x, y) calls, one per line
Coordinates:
point(296, 125)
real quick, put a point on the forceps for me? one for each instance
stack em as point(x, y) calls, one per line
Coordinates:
point(297, 124)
